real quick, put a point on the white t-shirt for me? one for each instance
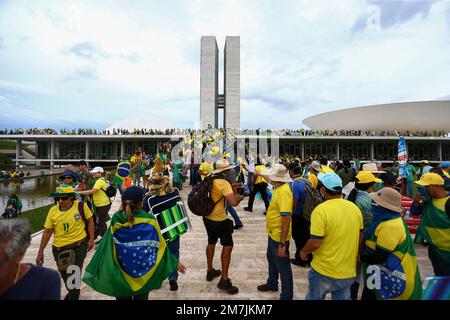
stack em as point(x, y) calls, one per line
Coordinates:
point(251, 166)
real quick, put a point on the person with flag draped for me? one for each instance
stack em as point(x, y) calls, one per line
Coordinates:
point(122, 172)
point(388, 245)
point(132, 258)
point(435, 221)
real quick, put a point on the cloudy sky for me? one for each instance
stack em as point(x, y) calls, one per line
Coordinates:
point(72, 64)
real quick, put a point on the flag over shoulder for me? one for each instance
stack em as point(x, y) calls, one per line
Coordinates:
point(130, 261)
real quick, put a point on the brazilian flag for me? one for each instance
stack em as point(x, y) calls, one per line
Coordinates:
point(435, 229)
point(400, 276)
point(122, 172)
point(130, 260)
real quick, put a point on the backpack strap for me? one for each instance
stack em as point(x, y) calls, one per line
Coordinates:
point(215, 203)
point(81, 210)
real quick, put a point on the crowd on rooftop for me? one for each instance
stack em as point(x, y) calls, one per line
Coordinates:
point(175, 131)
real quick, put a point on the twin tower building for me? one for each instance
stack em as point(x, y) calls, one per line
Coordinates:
point(211, 101)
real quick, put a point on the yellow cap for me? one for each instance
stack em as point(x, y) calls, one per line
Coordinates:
point(367, 177)
point(63, 190)
point(429, 179)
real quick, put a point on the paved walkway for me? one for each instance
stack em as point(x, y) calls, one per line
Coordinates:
point(248, 265)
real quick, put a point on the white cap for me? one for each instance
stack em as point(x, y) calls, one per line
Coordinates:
point(97, 170)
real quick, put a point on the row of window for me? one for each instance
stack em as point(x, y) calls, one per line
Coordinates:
point(97, 150)
point(382, 151)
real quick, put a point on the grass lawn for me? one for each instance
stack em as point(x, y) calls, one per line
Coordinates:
point(7, 145)
point(36, 217)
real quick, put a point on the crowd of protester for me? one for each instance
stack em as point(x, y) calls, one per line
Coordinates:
point(338, 217)
point(283, 132)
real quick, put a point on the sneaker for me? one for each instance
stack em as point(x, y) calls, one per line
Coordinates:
point(173, 285)
point(248, 209)
point(210, 275)
point(265, 287)
point(227, 286)
point(238, 226)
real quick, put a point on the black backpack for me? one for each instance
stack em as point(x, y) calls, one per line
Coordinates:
point(110, 191)
point(199, 199)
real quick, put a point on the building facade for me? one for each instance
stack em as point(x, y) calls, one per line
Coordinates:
point(211, 101)
point(62, 149)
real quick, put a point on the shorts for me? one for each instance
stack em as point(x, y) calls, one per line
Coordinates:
point(219, 230)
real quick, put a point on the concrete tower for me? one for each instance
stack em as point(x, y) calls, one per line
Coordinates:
point(232, 83)
point(210, 99)
point(209, 81)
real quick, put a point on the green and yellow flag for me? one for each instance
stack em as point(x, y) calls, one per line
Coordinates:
point(435, 229)
point(130, 261)
point(400, 276)
point(122, 172)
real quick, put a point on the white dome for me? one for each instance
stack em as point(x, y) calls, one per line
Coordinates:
point(412, 116)
point(141, 122)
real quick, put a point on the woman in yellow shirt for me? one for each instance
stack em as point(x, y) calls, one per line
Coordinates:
point(259, 185)
point(100, 200)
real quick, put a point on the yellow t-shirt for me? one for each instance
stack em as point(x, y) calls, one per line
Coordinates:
point(133, 160)
point(259, 169)
point(440, 203)
point(280, 205)
point(68, 226)
point(100, 197)
point(440, 236)
point(207, 168)
point(313, 179)
point(221, 188)
point(389, 235)
point(326, 169)
point(338, 222)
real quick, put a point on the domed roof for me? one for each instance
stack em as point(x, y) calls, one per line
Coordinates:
point(412, 116)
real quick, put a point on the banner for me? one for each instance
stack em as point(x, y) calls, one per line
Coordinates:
point(402, 158)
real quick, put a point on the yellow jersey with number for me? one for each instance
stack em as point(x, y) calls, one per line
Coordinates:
point(68, 226)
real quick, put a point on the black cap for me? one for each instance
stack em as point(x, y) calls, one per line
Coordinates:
point(134, 194)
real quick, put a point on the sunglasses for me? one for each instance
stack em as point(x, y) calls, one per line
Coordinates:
point(61, 198)
point(68, 177)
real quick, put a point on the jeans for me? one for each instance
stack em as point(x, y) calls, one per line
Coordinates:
point(280, 266)
point(136, 179)
point(320, 285)
point(300, 234)
point(441, 267)
point(232, 211)
point(102, 214)
point(408, 188)
point(262, 189)
point(174, 247)
point(194, 177)
point(250, 180)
